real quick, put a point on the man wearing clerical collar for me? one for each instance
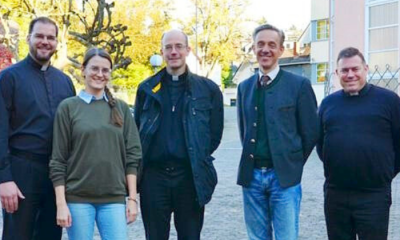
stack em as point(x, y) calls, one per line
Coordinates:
point(360, 148)
point(30, 92)
point(352, 72)
point(180, 119)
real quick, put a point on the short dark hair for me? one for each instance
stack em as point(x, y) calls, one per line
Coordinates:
point(42, 20)
point(350, 52)
point(269, 27)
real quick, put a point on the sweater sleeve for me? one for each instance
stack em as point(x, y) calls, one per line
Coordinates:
point(320, 143)
point(61, 145)
point(6, 91)
point(396, 134)
point(132, 142)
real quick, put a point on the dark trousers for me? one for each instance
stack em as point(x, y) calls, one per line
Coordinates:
point(35, 218)
point(167, 190)
point(357, 213)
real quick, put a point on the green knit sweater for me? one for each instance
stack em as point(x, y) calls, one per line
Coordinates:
point(91, 157)
point(263, 151)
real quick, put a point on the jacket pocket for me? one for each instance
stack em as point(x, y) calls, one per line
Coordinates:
point(287, 115)
point(201, 108)
point(209, 177)
point(201, 113)
point(145, 116)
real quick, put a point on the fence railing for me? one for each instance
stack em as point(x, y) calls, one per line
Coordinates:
point(388, 78)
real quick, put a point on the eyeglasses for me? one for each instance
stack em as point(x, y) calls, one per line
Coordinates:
point(42, 37)
point(96, 70)
point(178, 47)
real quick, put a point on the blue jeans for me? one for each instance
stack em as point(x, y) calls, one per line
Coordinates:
point(110, 219)
point(268, 206)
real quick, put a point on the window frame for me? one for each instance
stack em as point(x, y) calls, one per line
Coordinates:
point(322, 33)
point(368, 5)
point(317, 71)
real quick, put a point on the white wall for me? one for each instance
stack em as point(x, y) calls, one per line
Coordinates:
point(319, 90)
point(319, 51)
point(228, 94)
point(320, 9)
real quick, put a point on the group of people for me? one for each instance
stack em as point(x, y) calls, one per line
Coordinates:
point(73, 161)
point(356, 131)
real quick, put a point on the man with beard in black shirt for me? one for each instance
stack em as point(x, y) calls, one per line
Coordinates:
point(30, 92)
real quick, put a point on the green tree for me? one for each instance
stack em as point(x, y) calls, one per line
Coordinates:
point(217, 31)
point(89, 23)
point(147, 19)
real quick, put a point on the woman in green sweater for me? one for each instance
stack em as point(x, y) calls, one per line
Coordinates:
point(96, 152)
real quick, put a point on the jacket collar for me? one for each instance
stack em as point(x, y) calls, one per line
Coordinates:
point(154, 83)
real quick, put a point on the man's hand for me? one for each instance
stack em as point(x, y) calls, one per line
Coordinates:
point(9, 194)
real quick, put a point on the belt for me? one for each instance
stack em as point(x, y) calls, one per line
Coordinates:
point(263, 164)
point(168, 165)
point(40, 158)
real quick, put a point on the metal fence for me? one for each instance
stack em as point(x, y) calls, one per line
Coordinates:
point(388, 78)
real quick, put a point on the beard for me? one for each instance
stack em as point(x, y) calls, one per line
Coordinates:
point(39, 56)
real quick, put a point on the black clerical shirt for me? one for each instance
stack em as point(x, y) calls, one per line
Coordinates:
point(29, 96)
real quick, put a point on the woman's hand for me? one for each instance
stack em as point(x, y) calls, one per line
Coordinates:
point(63, 216)
point(131, 210)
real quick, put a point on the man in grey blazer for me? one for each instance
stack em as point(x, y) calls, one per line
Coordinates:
point(278, 124)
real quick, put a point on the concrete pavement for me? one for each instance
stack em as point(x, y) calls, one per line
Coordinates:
point(224, 214)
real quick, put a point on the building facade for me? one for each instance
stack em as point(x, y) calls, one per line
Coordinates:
point(320, 33)
point(373, 27)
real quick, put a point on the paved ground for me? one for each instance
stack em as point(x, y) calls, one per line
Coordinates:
point(224, 214)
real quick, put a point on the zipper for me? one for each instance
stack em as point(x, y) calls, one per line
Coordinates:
point(146, 134)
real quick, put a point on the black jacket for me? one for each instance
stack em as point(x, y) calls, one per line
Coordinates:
point(292, 123)
point(202, 121)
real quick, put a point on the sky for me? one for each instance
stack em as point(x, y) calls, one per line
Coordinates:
point(281, 13)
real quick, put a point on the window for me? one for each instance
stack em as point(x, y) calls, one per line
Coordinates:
point(322, 29)
point(383, 32)
point(322, 70)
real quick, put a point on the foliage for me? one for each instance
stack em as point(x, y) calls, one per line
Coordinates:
point(147, 20)
point(5, 57)
point(227, 76)
point(102, 23)
point(88, 24)
point(217, 30)
point(130, 77)
point(131, 31)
